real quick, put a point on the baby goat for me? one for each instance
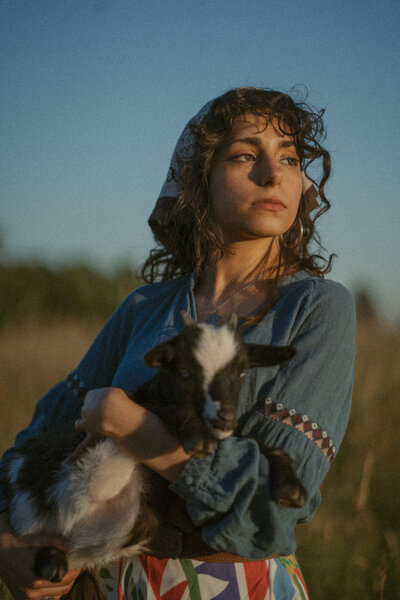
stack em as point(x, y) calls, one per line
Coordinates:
point(104, 501)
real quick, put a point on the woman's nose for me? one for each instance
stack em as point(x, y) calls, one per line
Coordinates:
point(269, 173)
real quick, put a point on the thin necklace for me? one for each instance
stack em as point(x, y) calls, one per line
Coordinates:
point(215, 318)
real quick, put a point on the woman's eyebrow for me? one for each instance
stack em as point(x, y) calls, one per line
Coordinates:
point(256, 141)
point(287, 144)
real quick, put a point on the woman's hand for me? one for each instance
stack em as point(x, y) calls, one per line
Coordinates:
point(103, 411)
point(109, 412)
point(16, 559)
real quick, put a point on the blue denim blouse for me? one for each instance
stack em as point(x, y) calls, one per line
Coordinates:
point(302, 406)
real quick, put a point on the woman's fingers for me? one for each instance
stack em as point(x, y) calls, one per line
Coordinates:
point(42, 588)
point(102, 411)
point(93, 411)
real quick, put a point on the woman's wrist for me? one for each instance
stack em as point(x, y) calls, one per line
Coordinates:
point(121, 416)
point(141, 433)
point(170, 461)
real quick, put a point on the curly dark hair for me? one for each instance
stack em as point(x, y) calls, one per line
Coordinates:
point(186, 233)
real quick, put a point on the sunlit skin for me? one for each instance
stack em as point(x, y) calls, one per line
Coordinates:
point(256, 183)
point(255, 190)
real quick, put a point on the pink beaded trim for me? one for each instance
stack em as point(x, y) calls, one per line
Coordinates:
point(277, 412)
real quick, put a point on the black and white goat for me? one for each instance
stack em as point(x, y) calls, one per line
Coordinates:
point(106, 503)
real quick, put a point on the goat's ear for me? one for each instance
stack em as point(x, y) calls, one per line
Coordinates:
point(187, 319)
point(160, 356)
point(264, 356)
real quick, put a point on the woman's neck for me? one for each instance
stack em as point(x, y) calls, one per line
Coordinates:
point(242, 263)
point(237, 282)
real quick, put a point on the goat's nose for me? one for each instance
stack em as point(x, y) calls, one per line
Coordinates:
point(227, 414)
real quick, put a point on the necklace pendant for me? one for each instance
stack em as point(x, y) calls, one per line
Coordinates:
point(214, 319)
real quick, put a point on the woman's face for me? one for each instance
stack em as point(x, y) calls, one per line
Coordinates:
point(255, 181)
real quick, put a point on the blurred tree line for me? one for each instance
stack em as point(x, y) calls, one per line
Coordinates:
point(39, 292)
point(36, 291)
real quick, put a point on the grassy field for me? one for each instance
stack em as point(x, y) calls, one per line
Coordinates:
point(350, 550)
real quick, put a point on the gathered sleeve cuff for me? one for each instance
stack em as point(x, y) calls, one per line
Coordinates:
point(229, 494)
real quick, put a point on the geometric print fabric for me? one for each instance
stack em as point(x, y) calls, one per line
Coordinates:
point(277, 412)
point(149, 578)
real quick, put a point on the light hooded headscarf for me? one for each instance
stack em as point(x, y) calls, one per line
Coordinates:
point(173, 184)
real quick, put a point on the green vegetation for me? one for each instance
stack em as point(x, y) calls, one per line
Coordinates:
point(350, 550)
point(41, 293)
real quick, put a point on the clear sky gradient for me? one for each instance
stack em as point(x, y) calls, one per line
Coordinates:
point(94, 94)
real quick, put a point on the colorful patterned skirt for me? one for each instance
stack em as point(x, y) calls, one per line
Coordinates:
point(149, 578)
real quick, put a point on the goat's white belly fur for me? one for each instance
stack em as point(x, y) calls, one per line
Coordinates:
point(98, 502)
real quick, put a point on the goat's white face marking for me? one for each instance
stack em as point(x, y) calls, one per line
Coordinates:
point(221, 434)
point(214, 349)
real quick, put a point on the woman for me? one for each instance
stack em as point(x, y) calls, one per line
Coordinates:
point(235, 224)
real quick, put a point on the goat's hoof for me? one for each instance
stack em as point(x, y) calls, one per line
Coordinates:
point(50, 564)
point(291, 494)
point(202, 448)
point(200, 453)
point(169, 545)
point(286, 487)
point(197, 453)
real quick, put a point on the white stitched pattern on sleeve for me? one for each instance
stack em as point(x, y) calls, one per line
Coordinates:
point(315, 433)
point(76, 385)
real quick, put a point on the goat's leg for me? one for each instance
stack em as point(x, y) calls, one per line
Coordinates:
point(286, 487)
point(203, 447)
point(50, 564)
point(167, 543)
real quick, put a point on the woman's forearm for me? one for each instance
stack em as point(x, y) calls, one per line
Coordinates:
point(109, 412)
point(146, 438)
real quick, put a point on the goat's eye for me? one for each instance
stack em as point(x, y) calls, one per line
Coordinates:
point(184, 373)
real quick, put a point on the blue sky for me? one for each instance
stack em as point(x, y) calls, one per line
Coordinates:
point(94, 94)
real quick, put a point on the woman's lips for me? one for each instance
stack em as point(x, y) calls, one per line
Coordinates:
point(271, 204)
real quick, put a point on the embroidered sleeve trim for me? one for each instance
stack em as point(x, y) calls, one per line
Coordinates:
point(277, 412)
point(76, 385)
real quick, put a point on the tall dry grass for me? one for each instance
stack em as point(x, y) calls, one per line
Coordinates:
point(32, 359)
point(350, 550)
